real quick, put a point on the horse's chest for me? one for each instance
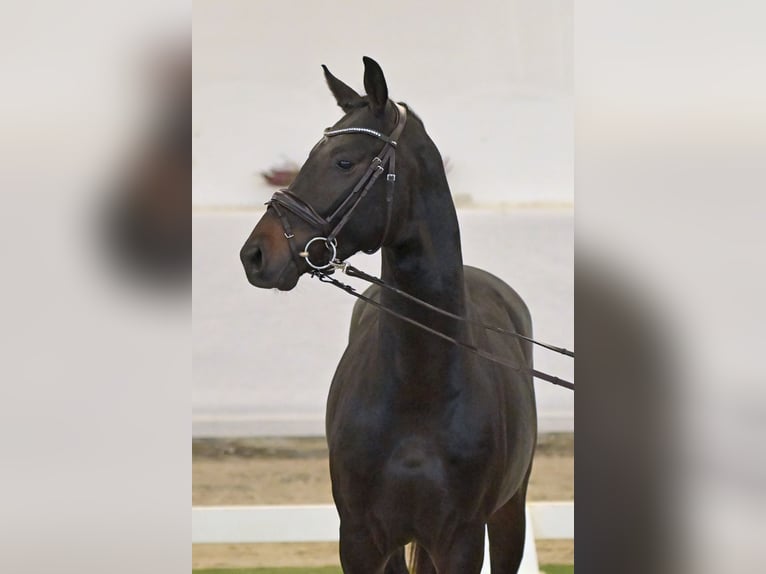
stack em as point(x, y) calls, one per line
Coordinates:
point(379, 443)
point(411, 474)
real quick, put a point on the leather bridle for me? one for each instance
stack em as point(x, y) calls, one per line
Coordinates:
point(331, 226)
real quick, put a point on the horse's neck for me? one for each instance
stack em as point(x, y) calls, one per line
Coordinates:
point(428, 264)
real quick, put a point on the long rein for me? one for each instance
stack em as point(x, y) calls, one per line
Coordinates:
point(352, 271)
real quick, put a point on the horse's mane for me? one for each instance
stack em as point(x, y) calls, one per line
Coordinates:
point(411, 112)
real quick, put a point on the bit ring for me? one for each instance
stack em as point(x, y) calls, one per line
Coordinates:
point(332, 247)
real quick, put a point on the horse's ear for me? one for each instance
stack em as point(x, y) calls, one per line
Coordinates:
point(375, 85)
point(346, 97)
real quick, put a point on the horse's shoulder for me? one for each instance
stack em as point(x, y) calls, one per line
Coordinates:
point(364, 314)
point(487, 292)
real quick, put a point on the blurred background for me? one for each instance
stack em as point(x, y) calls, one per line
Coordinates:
point(95, 328)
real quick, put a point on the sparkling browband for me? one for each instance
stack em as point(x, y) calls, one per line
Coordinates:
point(329, 132)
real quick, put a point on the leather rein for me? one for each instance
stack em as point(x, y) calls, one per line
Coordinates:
point(352, 271)
point(331, 226)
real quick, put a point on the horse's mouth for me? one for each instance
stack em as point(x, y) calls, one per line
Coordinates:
point(286, 281)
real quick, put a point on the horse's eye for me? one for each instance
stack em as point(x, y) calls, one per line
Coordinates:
point(344, 164)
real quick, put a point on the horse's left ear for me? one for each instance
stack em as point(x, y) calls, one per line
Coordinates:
point(346, 97)
point(375, 85)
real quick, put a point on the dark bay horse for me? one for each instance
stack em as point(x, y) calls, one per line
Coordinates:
point(428, 443)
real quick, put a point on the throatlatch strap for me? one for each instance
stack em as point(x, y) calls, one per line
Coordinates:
point(390, 183)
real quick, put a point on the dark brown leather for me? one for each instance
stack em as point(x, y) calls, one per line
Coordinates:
point(296, 205)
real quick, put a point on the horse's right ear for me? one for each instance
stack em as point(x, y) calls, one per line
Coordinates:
point(346, 97)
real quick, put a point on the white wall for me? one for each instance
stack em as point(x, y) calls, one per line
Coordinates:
point(491, 81)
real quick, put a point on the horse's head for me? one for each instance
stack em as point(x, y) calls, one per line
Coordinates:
point(342, 196)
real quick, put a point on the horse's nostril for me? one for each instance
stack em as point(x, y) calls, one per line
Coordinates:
point(257, 259)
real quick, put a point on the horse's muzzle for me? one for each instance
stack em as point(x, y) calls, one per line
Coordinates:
point(268, 268)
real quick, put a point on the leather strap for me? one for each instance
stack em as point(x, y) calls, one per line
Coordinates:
point(390, 183)
point(289, 235)
point(296, 205)
point(352, 271)
point(325, 278)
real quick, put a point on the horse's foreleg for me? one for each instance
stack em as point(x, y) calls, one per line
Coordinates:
point(421, 561)
point(358, 552)
point(396, 563)
point(464, 554)
point(506, 528)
